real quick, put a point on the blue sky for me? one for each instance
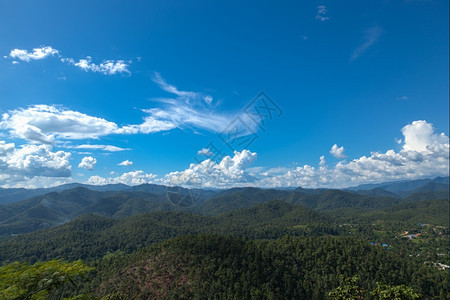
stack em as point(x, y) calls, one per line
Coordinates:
point(135, 92)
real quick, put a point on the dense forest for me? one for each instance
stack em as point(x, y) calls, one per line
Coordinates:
point(234, 244)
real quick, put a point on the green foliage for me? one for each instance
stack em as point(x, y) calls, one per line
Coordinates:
point(24, 281)
point(349, 289)
point(399, 292)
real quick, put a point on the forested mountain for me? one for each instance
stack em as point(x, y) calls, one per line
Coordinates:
point(399, 188)
point(59, 207)
point(171, 242)
point(18, 194)
point(92, 236)
point(56, 208)
point(276, 249)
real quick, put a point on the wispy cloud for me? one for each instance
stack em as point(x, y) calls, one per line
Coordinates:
point(174, 90)
point(402, 98)
point(108, 148)
point(171, 88)
point(371, 35)
point(186, 110)
point(322, 13)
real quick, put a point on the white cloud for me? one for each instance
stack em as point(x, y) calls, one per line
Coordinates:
point(87, 163)
point(402, 98)
point(208, 99)
point(29, 161)
point(420, 136)
point(107, 67)
point(38, 53)
point(125, 163)
point(35, 182)
point(205, 151)
point(425, 154)
point(45, 124)
point(187, 110)
point(151, 124)
point(42, 123)
point(108, 148)
point(172, 89)
point(371, 35)
point(322, 161)
point(229, 172)
point(269, 172)
point(322, 13)
point(337, 152)
point(130, 178)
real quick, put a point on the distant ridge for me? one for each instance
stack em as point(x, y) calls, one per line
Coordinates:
point(404, 188)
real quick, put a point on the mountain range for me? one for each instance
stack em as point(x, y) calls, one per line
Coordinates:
point(55, 206)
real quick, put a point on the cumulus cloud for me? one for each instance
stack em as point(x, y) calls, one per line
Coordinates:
point(125, 163)
point(107, 67)
point(29, 161)
point(205, 151)
point(338, 152)
point(322, 161)
point(371, 35)
point(228, 172)
point(130, 178)
point(36, 54)
point(322, 13)
point(420, 136)
point(87, 163)
point(425, 153)
point(41, 123)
